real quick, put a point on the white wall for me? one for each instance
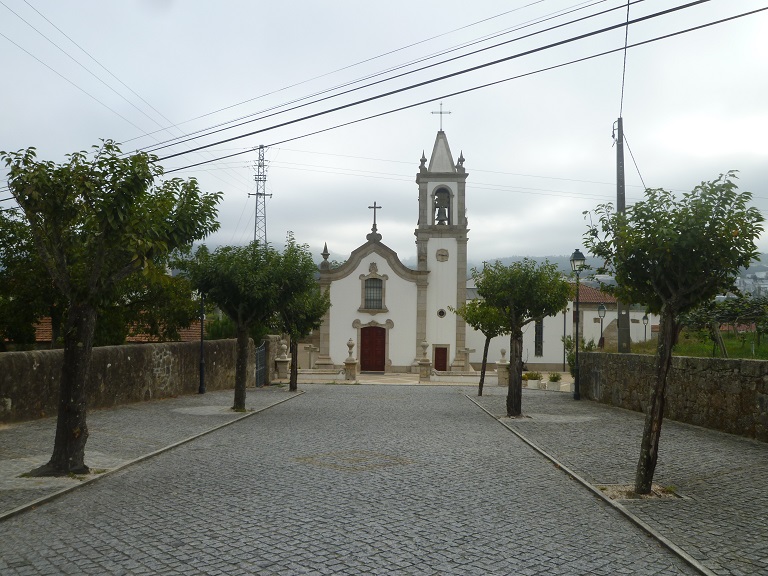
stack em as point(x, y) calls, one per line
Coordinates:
point(400, 300)
point(553, 333)
point(441, 293)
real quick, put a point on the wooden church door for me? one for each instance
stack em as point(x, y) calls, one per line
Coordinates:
point(441, 358)
point(372, 349)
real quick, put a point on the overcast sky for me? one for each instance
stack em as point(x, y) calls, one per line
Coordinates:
point(538, 148)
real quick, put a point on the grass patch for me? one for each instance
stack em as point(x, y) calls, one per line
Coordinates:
point(699, 345)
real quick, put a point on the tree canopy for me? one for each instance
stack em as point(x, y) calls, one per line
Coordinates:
point(95, 220)
point(259, 287)
point(303, 304)
point(487, 320)
point(243, 281)
point(522, 292)
point(672, 254)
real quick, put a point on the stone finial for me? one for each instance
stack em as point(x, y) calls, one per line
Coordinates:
point(283, 350)
point(503, 355)
point(424, 346)
point(423, 165)
point(325, 265)
point(350, 345)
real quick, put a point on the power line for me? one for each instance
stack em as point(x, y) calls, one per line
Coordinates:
point(440, 78)
point(443, 96)
point(231, 124)
point(104, 68)
point(348, 67)
point(236, 175)
point(68, 55)
point(624, 67)
point(634, 161)
point(71, 82)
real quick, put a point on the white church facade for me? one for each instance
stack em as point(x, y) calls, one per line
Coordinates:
point(394, 316)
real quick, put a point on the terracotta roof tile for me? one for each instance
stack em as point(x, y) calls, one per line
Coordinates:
point(590, 295)
point(44, 332)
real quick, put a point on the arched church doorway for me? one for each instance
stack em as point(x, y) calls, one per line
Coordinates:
point(373, 349)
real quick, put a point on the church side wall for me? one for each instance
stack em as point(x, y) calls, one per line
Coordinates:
point(552, 359)
point(554, 330)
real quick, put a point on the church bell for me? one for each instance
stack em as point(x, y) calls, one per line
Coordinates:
point(442, 216)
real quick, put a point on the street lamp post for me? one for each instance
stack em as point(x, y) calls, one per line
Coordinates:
point(577, 264)
point(645, 327)
point(201, 388)
point(601, 313)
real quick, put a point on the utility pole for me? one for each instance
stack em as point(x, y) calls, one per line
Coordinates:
point(260, 225)
point(622, 322)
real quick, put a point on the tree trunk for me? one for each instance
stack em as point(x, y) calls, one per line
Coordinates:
point(71, 428)
point(515, 387)
point(649, 448)
point(717, 338)
point(241, 367)
point(293, 382)
point(483, 367)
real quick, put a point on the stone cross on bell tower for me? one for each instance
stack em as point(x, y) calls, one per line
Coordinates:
point(441, 113)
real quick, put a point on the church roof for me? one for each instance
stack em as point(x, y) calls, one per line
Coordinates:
point(372, 246)
point(441, 159)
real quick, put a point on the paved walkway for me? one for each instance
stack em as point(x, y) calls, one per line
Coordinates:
point(372, 479)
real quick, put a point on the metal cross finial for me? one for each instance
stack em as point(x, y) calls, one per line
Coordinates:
point(441, 115)
point(374, 208)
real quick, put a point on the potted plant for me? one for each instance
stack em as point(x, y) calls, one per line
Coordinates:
point(554, 381)
point(533, 378)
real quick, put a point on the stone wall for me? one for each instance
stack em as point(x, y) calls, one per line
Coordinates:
point(727, 395)
point(29, 381)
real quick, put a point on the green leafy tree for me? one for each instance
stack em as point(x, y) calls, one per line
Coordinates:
point(302, 304)
point(96, 220)
point(707, 317)
point(521, 293)
point(243, 281)
point(26, 291)
point(485, 319)
point(153, 304)
point(671, 255)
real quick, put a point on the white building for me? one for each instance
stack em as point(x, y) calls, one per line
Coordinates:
point(389, 310)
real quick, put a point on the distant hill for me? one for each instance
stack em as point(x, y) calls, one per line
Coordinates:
point(563, 262)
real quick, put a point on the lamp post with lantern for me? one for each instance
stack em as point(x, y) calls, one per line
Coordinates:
point(601, 313)
point(645, 327)
point(577, 265)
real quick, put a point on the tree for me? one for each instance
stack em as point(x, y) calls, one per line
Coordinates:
point(26, 290)
point(153, 304)
point(486, 319)
point(96, 220)
point(244, 282)
point(302, 304)
point(522, 293)
point(671, 255)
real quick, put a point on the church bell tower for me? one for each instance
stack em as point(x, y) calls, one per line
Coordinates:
point(441, 248)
